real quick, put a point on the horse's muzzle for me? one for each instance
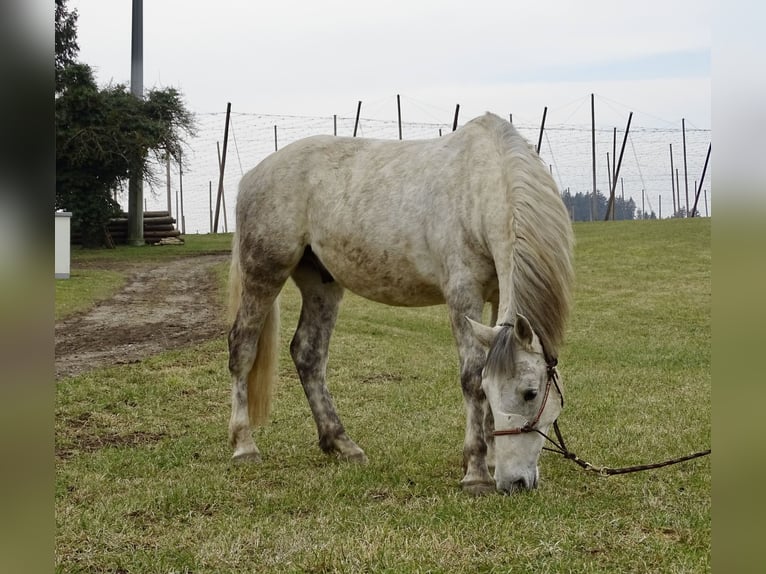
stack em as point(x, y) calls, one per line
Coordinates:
point(520, 484)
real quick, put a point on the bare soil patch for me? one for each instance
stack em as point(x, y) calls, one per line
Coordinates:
point(167, 305)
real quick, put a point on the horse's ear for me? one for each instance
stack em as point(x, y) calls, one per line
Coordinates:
point(522, 330)
point(485, 335)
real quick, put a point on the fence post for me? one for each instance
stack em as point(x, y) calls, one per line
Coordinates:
point(593, 205)
point(223, 167)
point(686, 177)
point(610, 206)
point(702, 179)
point(181, 189)
point(358, 110)
point(672, 181)
point(542, 127)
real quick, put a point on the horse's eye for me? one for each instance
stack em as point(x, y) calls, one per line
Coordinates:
point(530, 394)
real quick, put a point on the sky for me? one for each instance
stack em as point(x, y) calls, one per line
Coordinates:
point(310, 58)
point(317, 59)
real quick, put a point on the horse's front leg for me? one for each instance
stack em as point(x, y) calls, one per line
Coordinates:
point(477, 479)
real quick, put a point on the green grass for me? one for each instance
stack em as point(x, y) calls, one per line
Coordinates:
point(144, 483)
point(83, 288)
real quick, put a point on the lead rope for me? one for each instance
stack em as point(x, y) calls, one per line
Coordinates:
point(561, 448)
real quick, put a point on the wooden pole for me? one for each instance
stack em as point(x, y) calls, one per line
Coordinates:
point(510, 118)
point(223, 167)
point(659, 200)
point(181, 190)
point(643, 207)
point(678, 187)
point(593, 212)
point(542, 128)
point(610, 206)
point(614, 153)
point(454, 120)
point(167, 178)
point(210, 203)
point(399, 114)
point(358, 111)
point(707, 214)
point(702, 179)
point(335, 124)
point(276, 143)
point(672, 181)
point(686, 177)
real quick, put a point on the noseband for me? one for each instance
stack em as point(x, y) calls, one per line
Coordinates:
point(529, 426)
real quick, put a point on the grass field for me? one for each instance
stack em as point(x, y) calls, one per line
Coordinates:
point(144, 482)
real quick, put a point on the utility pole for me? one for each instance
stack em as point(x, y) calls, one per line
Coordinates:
point(136, 182)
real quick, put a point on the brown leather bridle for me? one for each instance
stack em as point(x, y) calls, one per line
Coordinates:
point(529, 426)
point(560, 446)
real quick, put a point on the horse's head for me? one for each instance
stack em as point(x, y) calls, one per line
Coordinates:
point(522, 388)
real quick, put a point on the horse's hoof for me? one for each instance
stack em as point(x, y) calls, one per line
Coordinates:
point(251, 457)
point(357, 457)
point(478, 488)
point(345, 449)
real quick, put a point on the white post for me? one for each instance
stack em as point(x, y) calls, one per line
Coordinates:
point(63, 248)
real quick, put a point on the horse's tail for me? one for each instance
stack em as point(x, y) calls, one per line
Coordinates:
point(263, 374)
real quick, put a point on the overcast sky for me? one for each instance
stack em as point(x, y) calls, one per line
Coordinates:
point(305, 57)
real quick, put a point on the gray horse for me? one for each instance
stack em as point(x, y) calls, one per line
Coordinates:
point(465, 219)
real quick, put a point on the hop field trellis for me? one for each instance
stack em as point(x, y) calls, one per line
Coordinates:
point(565, 147)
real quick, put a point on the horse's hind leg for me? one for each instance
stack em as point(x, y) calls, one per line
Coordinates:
point(243, 345)
point(309, 348)
point(253, 349)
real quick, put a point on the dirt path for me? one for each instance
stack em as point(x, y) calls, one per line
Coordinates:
point(173, 304)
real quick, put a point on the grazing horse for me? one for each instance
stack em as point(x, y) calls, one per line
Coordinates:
point(465, 219)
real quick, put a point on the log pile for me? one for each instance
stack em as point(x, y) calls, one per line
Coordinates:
point(158, 226)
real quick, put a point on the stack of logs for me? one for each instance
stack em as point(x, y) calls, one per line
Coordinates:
point(158, 228)
point(158, 225)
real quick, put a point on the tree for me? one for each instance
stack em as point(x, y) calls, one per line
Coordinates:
point(65, 40)
point(102, 132)
point(579, 206)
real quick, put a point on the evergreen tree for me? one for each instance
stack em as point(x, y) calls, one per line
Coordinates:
point(580, 207)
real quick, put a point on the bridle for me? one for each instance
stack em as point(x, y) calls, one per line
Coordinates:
point(530, 426)
point(559, 446)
